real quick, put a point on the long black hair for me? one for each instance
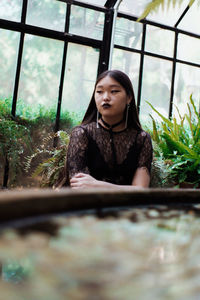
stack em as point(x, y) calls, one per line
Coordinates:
point(124, 81)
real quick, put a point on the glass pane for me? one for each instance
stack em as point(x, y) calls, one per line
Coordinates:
point(128, 33)
point(80, 77)
point(127, 62)
point(191, 22)
point(11, 10)
point(186, 83)
point(155, 88)
point(188, 48)
point(86, 22)
point(134, 7)
point(9, 41)
point(159, 41)
point(46, 13)
point(40, 75)
point(168, 15)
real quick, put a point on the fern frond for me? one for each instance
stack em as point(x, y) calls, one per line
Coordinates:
point(64, 137)
point(52, 164)
point(167, 121)
point(194, 108)
point(189, 119)
point(155, 131)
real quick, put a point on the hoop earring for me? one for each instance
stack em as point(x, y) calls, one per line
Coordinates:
point(97, 118)
point(127, 110)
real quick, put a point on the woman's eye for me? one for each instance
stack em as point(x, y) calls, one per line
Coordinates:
point(114, 91)
point(98, 92)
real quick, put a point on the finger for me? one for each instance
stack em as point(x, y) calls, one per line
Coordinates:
point(79, 175)
point(74, 184)
point(76, 180)
point(75, 187)
point(78, 187)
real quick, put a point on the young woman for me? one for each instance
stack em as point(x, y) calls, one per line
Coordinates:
point(110, 149)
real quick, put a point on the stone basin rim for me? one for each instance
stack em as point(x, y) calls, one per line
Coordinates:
point(33, 202)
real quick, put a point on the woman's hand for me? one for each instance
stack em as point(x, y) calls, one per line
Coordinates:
point(81, 180)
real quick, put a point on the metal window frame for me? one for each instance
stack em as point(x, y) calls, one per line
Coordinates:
point(103, 45)
point(144, 53)
point(62, 75)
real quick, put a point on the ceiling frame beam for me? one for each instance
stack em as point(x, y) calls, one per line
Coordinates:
point(110, 3)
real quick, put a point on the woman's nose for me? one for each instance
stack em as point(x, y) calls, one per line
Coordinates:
point(106, 96)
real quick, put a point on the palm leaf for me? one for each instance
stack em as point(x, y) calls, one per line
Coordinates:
point(154, 5)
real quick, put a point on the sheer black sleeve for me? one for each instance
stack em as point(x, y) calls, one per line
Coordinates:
point(76, 153)
point(145, 152)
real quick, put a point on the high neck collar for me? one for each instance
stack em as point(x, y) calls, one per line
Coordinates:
point(110, 127)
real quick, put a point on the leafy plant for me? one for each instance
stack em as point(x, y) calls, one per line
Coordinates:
point(179, 143)
point(160, 171)
point(38, 114)
point(18, 134)
point(154, 5)
point(14, 139)
point(51, 169)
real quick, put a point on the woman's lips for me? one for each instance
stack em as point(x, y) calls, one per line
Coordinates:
point(106, 105)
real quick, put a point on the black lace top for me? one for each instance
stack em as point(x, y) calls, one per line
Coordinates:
point(108, 156)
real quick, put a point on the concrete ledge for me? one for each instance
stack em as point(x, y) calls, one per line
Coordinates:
point(20, 204)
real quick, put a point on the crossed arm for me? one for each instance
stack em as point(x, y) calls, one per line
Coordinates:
point(141, 179)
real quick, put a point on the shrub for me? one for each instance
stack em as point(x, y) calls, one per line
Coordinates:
point(21, 134)
point(179, 144)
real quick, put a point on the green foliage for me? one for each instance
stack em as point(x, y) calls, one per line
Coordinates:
point(5, 107)
point(18, 134)
point(51, 169)
point(179, 144)
point(14, 139)
point(37, 114)
point(160, 172)
point(154, 5)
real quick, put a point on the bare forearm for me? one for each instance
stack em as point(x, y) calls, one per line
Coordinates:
point(82, 180)
point(103, 184)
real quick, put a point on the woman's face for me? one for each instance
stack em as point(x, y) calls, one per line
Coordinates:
point(111, 99)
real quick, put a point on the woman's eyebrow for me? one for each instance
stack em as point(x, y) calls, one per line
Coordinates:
point(111, 86)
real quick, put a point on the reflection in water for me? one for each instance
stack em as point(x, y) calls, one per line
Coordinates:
point(149, 253)
point(163, 254)
point(16, 271)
